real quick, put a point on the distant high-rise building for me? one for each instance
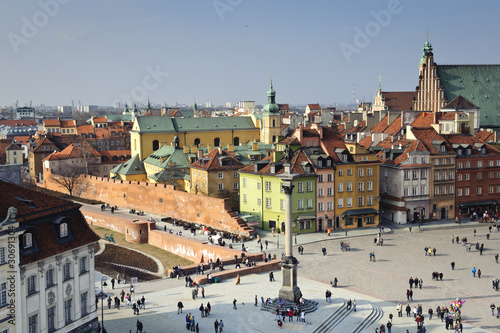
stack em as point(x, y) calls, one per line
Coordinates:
point(208, 104)
point(228, 105)
point(25, 112)
point(87, 108)
point(65, 110)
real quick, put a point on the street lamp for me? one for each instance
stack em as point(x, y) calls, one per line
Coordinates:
point(295, 223)
point(278, 244)
point(103, 284)
point(345, 225)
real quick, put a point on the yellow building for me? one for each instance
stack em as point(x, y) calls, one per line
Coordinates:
point(357, 190)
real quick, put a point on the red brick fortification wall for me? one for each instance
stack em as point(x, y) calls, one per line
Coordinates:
point(135, 232)
point(194, 249)
point(159, 199)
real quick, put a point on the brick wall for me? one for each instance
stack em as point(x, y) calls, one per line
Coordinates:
point(159, 199)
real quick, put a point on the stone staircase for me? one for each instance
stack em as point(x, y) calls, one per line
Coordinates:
point(348, 321)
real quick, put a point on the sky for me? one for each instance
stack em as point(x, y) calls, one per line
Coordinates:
point(118, 51)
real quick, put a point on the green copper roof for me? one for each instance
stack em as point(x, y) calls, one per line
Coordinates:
point(163, 124)
point(131, 167)
point(271, 107)
point(168, 154)
point(119, 117)
point(426, 50)
point(480, 84)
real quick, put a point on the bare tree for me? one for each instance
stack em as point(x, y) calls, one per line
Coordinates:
point(89, 155)
point(68, 177)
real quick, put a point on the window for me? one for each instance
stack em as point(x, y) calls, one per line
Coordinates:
point(360, 172)
point(466, 191)
point(63, 229)
point(415, 160)
point(369, 186)
point(220, 175)
point(467, 176)
point(83, 265)
point(268, 186)
point(340, 203)
point(320, 207)
point(369, 201)
point(443, 148)
point(235, 186)
point(436, 190)
point(360, 201)
point(422, 190)
point(2, 256)
point(436, 161)
point(309, 203)
point(83, 303)
point(268, 202)
point(320, 178)
point(244, 198)
point(497, 189)
point(49, 277)
point(436, 175)
point(479, 175)
point(259, 201)
point(361, 186)
point(479, 190)
point(329, 191)
point(451, 174)
point(340, 187)
point(300, 204)
point(490, 174)
point(320, 192)
point(406, 191)
point(300, 187)
point(282, 204)
point(329, 177)
point(467, 165)
point(459, 192)
point(3, 293)
point(67, 271)
point(479, 164)
point(407, 174)
point(349, 221)
point(369, 172)
point(67, 311)
point(443, 189)
point(28, 240)
point(33, 324)
point(221, 187)
point(349, 186)
point(460, 165)
point(51, 319)
point(443, 175)
point(328, 163)
point(498, 162)
point(414, 174)
point(341, 172)
point(497, 174)
point(491, 163)
point(349, 172)
point(329, 205)
point(414, 190)
point(309, 186)
point(424, 160)
point(344, 157)
point(259, 185)
point(459, 177)
point(349, 202)
point(244, 182)
point(490, 189)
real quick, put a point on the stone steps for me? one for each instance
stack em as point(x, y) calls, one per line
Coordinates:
point(308, 306)
point(376, 314)
point(335, 318)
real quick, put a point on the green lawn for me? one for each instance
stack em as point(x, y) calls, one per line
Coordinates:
point(168, 259)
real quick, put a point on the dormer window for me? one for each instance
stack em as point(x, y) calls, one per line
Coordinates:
point(344, 157)
point(27, 240)
point(443, 148)
point(328, 163)
point(460, 152)
point(320, 163)
point(273, 169)
point(469, 151)
point(483, 150)
point(63, 229)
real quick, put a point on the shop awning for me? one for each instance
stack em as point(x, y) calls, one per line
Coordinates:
point(478, 203)
point(356, 212)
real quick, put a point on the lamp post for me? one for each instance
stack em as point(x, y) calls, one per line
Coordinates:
point(345, 225)
point(278, 243)
point(103, 284)
point(295, 223)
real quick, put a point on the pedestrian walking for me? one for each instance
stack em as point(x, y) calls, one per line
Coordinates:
point(202, 292)
point(221, 326)
point(353, 305)
point(234, 303)
point(479, 273)
point(179, 307)
point(496, 258)
point(492, 307)
point(452, 265)
point(216, 326)
point(474, 272)
point(237, 279)
point(139, 326)
point(113, 283)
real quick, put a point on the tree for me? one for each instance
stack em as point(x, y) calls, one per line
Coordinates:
point(68, 177)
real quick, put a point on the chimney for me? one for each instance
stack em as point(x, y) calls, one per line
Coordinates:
point(255, 146)
point(220, 150)
point(185, 149)
point(200, 154)
point(230, 147)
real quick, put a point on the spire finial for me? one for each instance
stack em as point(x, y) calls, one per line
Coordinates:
point(379, 82)
point(271, 81)
point(427, 35)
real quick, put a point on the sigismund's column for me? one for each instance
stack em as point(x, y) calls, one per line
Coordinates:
point(289, 290)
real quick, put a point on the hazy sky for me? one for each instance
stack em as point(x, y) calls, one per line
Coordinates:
point(101, 52)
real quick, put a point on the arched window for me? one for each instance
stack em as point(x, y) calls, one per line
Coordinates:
point(216, 142)
point(156, 145)
point(122, 158)
point(120, 134)
point(274, 138)
point(115, 158)
point(196, 142)
point(236, 141)
point(84, 136)
point(113, 134)
point(274, 122)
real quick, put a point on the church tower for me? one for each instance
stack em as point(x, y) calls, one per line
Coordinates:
point(271, 119)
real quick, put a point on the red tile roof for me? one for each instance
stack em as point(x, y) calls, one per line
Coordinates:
point(212, 161)
point(427, 135)
point(100, 120)
point(485, 136)
point(460, 103)
point(366, 142)
point(399, 100)
point(51, 122)
point(469, 139)
point(314, 106)
point(425, 119)
point(18, 123)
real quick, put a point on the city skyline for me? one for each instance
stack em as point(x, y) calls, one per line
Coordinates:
point(59, 51)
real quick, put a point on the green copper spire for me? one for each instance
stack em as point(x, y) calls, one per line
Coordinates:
point(271, 107)
point(426, 50)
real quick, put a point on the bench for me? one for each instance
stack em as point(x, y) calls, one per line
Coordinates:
point(232, 273)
